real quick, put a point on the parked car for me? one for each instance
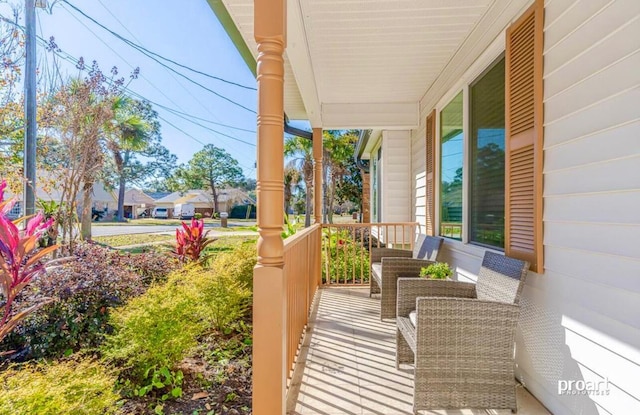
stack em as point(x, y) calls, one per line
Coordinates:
point(184, 211)
point(160, 213)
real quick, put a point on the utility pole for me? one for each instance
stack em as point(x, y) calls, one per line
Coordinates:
point(30, 128)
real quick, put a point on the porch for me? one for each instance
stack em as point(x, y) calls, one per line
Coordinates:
point(346, 363)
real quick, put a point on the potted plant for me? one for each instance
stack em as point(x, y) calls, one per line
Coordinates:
point(437, 271)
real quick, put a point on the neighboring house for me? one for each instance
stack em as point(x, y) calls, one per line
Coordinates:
point(203, 201)
point(500, 127)
point(102, 199)
point(137, 203)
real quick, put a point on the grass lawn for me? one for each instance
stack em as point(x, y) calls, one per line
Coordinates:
point(135, 239)
point(167, 222)
point(227, 243)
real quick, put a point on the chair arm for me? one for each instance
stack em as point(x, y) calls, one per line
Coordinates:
point(409, 289)
point(378, 253)
point(467, 328)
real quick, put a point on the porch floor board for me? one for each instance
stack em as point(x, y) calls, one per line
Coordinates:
point(347, 363)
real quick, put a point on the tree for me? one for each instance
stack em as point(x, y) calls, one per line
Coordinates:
point(292, 180)
point(339, 165)
point(80, 111)
point(300, 152)
point(81, 116)
point(210, 168)
point(135, 133)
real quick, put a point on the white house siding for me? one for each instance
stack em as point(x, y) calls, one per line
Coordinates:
point(418, 176)
point(580, 319)
point(396, 176)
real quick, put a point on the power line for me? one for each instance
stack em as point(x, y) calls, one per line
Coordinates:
point(69, 58)
point(152, 55)
point(196, 140)
point(160, 56)
point(153, 85)
point(196, 99)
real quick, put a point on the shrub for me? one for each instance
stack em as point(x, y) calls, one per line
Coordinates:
point(155, 331)
point(344, 258)
point(61, 388)
point(20, 263)
point(152, 267)
point(191, 241)
point(197, 216)
point(84, 289)
point(238, 264)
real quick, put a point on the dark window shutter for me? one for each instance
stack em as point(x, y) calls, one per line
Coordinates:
point(430, 173)
point(524, 138)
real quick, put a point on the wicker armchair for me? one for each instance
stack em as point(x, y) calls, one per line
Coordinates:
point(388, 264)
point(460, 336)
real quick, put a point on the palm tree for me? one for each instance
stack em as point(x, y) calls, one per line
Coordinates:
point(338, 153)
point(300, 151)
point(292, 181)
point(129, 132)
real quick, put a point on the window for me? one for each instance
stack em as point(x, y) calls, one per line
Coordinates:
point(486, 161)
point(451, 168)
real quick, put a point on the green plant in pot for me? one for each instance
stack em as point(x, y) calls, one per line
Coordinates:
point(437, 271)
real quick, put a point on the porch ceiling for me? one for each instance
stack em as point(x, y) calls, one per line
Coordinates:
point(358, 57)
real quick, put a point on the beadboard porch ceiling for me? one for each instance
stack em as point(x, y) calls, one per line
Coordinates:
point(349, 62)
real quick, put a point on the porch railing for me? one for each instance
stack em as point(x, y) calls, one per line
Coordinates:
point(346, 247)
point(302, 278)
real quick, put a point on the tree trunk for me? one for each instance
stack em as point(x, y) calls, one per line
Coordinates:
point(325, 171)
point(331, 197)
point(85, 218)
point(309, 202)
point(214, 193)
point(122, 182)
point(121, 191)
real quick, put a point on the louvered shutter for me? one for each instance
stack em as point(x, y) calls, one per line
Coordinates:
point(430, 180)
point(524, 135)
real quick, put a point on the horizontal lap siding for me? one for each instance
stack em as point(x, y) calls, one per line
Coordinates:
point(418, 171)
point(580, 319)
point(396, 176)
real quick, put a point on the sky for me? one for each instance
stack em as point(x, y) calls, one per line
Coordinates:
point(186, 31)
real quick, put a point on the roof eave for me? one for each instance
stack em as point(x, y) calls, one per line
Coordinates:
point(230, 27)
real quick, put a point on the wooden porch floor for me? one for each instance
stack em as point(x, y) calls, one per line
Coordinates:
point(347, 363)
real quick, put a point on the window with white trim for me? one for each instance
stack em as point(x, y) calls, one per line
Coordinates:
point(477, 158)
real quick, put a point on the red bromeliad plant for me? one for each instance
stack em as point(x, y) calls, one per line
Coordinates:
point(19, 261)
point(191, 240)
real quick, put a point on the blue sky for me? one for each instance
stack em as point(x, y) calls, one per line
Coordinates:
point(186, 31)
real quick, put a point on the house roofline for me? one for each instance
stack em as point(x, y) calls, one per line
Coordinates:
point(230, 27)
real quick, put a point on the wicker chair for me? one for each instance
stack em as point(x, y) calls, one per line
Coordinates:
point(388, 264)
point(460, 336)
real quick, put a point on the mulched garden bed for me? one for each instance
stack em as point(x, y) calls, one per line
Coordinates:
point(217, 380)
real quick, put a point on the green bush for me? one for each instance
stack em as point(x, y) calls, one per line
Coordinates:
point(197, 216)
point(344, 257)
point(238, 263)
point(156, 329)
point(154, 332)
point(82, 387)
point(84, 290)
